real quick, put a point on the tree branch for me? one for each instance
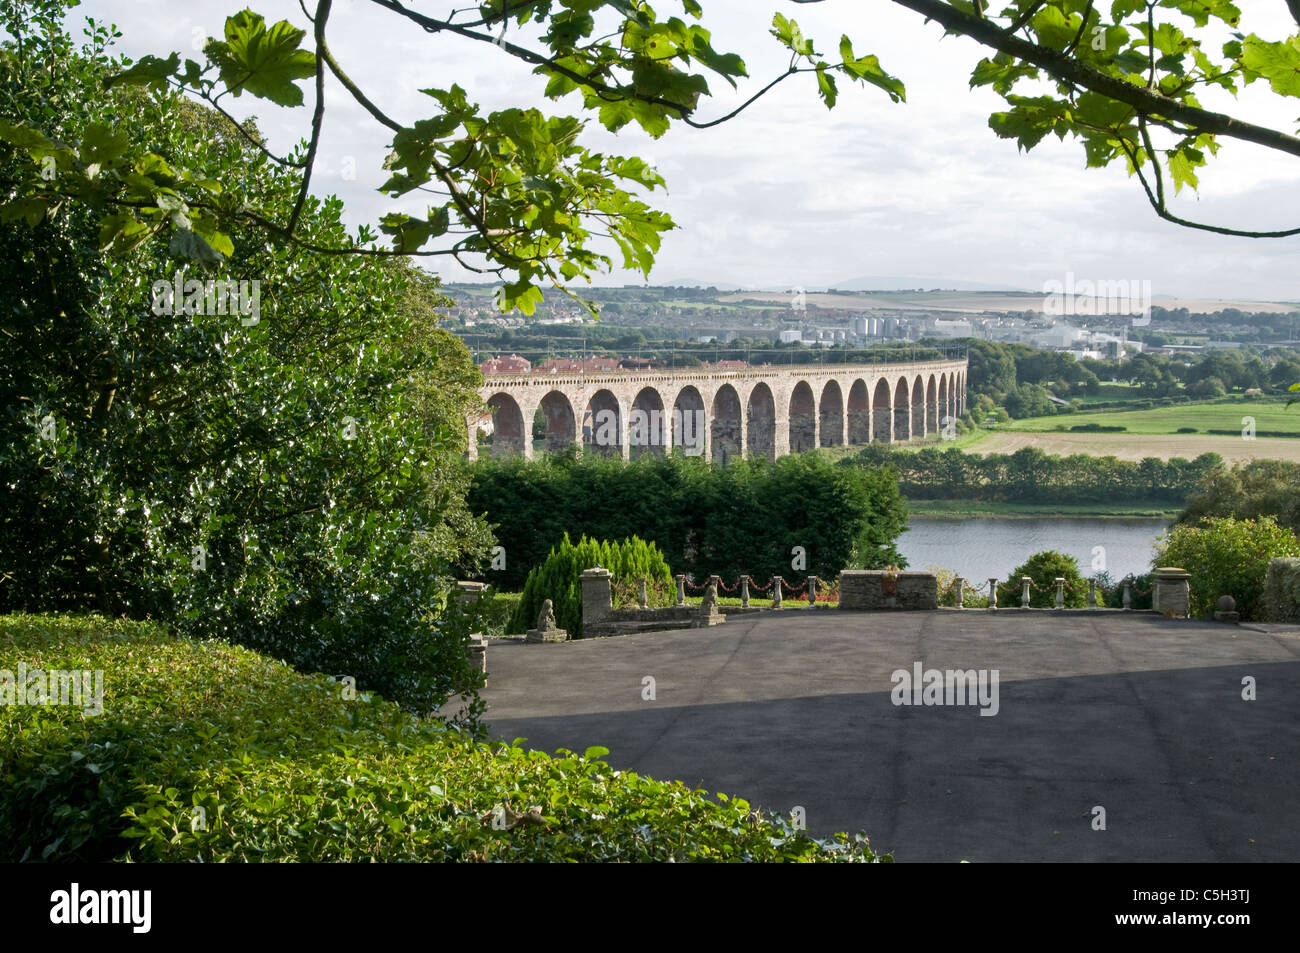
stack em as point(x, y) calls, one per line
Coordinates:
point(322, 14)
point(1070, 70)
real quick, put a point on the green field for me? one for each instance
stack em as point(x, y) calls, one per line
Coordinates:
point(1113, 392)
point(1269, 414)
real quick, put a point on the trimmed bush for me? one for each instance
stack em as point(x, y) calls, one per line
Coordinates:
point(559, 579)
point(1044, 568)
point(287, 767)
point(1281, 599)
point(1226, 557)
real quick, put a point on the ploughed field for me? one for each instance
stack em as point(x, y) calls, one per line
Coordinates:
point(1154, 432)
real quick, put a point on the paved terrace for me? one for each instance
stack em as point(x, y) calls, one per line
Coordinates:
point(1136, 713)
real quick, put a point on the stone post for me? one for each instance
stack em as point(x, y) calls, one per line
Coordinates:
point(1128, 594)
point(470, 591)
point(960, 583)
point(776, 592)
point(477, 651)
point(644, 602)
point(1092, 593)
point(1060, 592)
point(993, 593)
point(681, 589)
point(1172, 594)
point(597, 602)
point(744, 591)
point(812, 590)
point(1025, 583)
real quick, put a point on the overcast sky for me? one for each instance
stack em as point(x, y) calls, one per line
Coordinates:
point(792, 194)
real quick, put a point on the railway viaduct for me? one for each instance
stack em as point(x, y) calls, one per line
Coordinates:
point(721, 413)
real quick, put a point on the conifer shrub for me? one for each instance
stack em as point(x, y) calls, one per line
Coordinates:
point(559, 578)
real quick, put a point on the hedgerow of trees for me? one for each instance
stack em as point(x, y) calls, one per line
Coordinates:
point(1031, 476)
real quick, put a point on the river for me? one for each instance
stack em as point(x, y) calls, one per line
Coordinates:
point(980, 547)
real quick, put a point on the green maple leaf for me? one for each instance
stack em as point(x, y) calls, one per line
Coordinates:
point(261, 61)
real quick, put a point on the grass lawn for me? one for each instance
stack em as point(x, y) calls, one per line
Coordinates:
point(1112, 392)
point(1269, 413)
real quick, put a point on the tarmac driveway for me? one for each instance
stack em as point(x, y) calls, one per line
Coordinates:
point(1136, 714)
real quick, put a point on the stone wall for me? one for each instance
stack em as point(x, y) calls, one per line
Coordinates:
point(600, 619)
point(869, 589)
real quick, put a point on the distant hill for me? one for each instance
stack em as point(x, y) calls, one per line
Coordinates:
point(886, 283)
point(695, 283)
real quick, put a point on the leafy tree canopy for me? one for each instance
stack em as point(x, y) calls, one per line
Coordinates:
point(516, 194)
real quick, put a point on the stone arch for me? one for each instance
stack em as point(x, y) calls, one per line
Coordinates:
point(561, 422)
point(725, 428)
point(919, 427)
point(902, 411)
point(945, 412)
point(509, 435)
point(803, 418)
point(760, 427)
point(882, 414)
point(859, 413)
point(602, 425)
point(690, 423)
point(647, 430)
point(931, 405)
point(831, 418)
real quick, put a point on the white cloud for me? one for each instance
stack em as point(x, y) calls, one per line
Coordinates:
point(791, 189)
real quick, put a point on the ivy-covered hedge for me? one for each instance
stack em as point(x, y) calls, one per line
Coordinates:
point(209, 752)
point(1281, 599)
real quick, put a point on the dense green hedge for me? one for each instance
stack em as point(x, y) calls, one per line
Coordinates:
point(746, 517)
point(1031, 476)
point(285, 767)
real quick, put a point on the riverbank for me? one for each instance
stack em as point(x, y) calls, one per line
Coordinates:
point(956, 509)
